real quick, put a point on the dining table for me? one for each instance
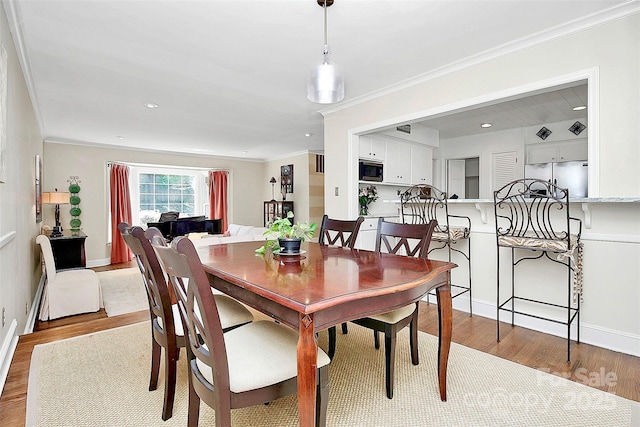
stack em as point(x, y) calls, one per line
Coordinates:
point(323, 286)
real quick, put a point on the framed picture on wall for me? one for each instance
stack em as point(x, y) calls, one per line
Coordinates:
point(286, 178)
point(38, 184)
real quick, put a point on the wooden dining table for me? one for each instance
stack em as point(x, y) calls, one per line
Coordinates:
point(324, 286)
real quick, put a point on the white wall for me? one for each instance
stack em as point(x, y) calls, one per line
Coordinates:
point(247, 182)
point(19, 255)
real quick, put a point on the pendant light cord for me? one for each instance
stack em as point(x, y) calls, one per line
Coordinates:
point(326, 44)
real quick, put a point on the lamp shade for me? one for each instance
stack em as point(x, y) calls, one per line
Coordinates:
point(325, 84)
point(55, 198)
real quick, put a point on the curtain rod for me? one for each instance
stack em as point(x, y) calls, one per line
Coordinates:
point(151, 165)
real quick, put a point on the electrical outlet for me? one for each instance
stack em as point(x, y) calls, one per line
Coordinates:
point(26, 308)
point(337, 191)
point(3, 317)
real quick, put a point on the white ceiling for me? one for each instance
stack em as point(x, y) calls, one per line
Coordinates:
point(229, 76)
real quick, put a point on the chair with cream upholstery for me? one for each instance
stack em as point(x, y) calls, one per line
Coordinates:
point(67, 292)
point(408, 240)
point(532, 215)
point(250, 365)
point(338, 232)
point(166, 328)
point(423, 203)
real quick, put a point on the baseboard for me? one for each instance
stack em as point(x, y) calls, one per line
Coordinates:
point(610, 339)
point(6, 352)
point(98, 262)
point(35, 306)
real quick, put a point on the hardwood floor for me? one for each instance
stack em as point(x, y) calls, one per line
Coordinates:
point(606, 370)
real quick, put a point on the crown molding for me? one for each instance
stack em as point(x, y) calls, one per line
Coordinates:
point(65, 141)
point(12, 10)
point(629, 8)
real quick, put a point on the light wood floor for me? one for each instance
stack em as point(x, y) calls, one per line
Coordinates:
point(589, 365)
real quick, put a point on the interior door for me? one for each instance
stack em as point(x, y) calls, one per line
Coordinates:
point(455, 178)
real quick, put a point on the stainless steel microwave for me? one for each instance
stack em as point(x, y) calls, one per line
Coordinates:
point(370, 171)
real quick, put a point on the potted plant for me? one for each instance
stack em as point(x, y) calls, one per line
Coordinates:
point(289, 235)
point(366, 196)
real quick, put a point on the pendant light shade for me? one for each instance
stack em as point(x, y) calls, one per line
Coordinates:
point(325, 84)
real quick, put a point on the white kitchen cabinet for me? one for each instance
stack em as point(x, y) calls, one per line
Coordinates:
point(398, 165)
point(421, 165)
point(562, 152)
point(372, 148)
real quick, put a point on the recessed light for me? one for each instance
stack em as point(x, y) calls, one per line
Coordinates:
point(308, 134)
point(150, 105)
point(486, 125)
point(120, 137)
point(580, 108)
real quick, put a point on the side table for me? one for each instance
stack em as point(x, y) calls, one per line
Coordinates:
point(68, 250)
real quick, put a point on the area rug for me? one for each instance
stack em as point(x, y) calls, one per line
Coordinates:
point(102, 380)
point(123, 291)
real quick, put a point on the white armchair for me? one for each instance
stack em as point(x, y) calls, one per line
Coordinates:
point(67, 292)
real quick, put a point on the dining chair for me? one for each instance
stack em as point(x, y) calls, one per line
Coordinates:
point(166, 328)
point(250, 365)
point(67, 292)
point(337, 232)
point(408, 240)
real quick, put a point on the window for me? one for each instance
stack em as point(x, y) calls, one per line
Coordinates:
point(155, 190)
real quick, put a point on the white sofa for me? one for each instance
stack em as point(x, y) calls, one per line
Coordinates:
point(235, 233)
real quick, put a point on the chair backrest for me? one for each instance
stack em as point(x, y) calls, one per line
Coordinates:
point(532, 208)
point(339, 232)
point(404, 239)
point(47, 253)
point(423, 203)
point(154, 281)
point(181, 262)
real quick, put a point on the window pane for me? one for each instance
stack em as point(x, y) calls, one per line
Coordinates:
point(162, 189)
point(146, 188)
point(146, 178)
point(162, 179)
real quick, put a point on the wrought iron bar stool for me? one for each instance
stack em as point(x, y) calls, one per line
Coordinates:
point(422, 203)
point(533, 215)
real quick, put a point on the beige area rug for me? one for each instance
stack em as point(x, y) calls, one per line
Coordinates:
point(102, 380)
point(123, 291)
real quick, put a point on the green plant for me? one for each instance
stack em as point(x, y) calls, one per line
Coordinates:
point(282, 228)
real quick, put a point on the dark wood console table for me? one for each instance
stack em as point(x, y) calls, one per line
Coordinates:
point(68, 250)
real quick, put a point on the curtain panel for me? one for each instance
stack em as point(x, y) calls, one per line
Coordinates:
point(120, 211)
point(218, 187)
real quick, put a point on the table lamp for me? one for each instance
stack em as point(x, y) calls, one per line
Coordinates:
point(56, 198)
point(273, 188)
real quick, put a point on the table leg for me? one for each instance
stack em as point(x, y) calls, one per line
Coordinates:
point(307, 369)
point(445, 316)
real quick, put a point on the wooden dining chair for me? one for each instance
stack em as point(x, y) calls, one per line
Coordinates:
point(400, 239)
point(337, 232)
point(166, 327)
point(250, 365)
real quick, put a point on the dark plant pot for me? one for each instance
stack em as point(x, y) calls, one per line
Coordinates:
point(289, 246)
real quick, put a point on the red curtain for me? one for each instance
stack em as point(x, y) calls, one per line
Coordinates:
point(120, 212)
point(218, 181)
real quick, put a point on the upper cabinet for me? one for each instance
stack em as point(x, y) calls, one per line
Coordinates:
point(398, 165)
point(421, 165)
point(557, 152)
point(372, 148)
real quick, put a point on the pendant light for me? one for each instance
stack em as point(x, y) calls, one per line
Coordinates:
point(325, 84)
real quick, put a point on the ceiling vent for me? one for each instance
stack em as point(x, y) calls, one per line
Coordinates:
point(404, 128)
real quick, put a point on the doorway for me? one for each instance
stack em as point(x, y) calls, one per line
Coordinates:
point(463, 178)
